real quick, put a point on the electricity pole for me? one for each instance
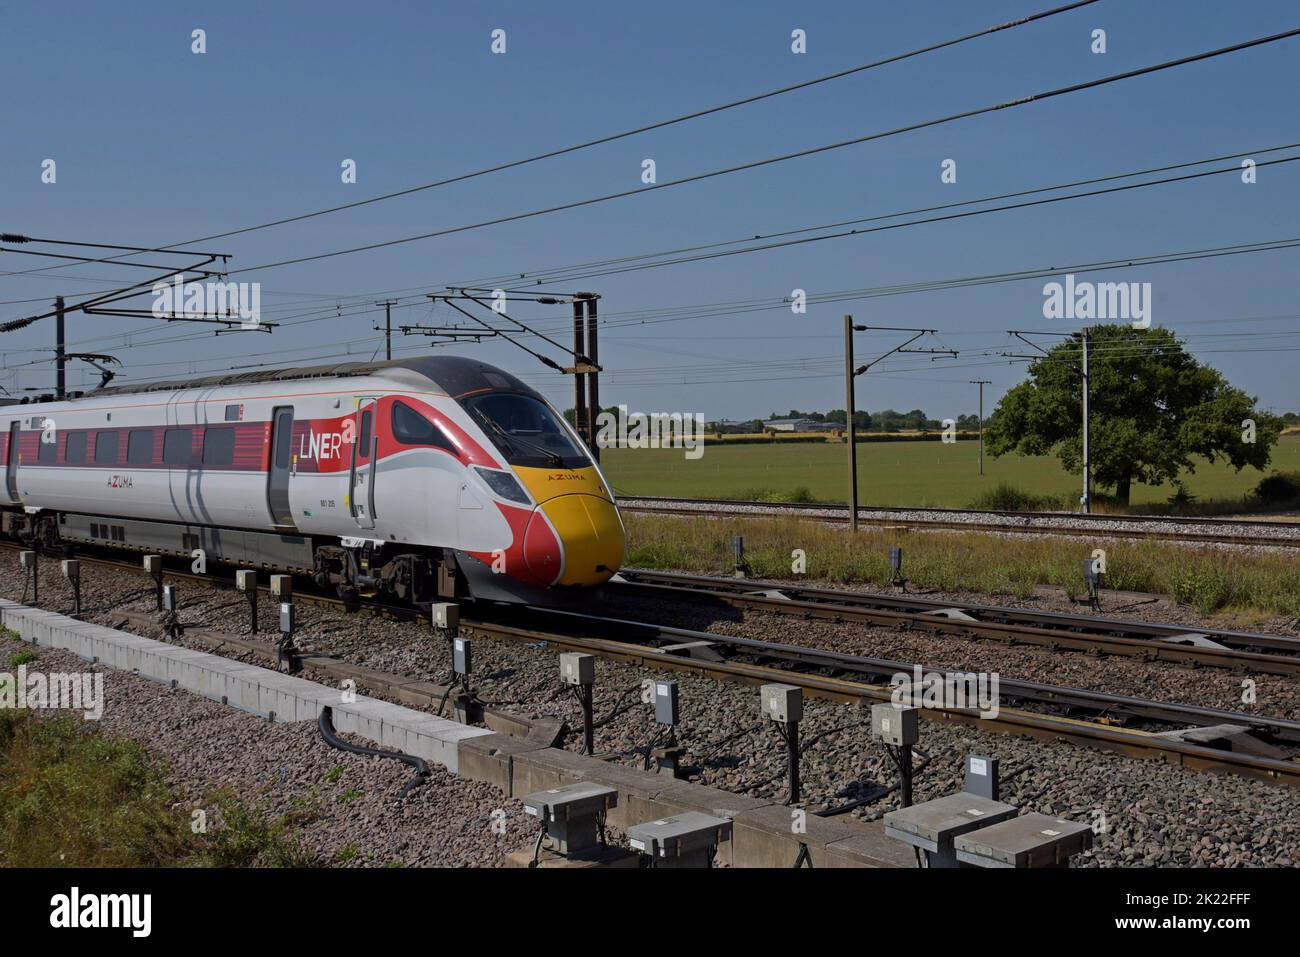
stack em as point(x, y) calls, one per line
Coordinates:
point(981, 383)
point(388, 327)
point(1083, 336)
point(851, 373)
point(1086, 501)
point(849, 417)
point(60, 353)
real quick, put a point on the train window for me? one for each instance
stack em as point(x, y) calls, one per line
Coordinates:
point(106, 446)
point(526, 431)
point(284, 441)
point(218, 446)
point(232, 413)
point(74, 452)
point(411, 428)
point(47, 453)
point(363, 443)
point(139, 447)
point(178, 445)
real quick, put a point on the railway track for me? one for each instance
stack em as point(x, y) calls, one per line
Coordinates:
point(1050, 712)
point(1253, 532)
point(1236, 650)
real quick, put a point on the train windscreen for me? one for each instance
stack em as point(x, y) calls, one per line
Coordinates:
point(526, 431)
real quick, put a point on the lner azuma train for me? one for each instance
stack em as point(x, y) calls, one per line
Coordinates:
point(416, 478)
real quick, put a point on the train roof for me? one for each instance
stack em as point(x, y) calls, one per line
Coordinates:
point(455, 375)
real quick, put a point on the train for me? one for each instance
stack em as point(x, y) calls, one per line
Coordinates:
point(421, 479)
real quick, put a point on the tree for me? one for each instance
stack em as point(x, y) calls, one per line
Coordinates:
point(1154, 407)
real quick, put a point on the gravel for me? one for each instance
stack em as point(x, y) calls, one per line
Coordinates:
point(1144, 812)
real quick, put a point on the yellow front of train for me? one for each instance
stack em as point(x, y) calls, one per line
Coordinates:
point(575, 506)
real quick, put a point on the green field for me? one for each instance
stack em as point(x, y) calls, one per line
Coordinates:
point(891, 473)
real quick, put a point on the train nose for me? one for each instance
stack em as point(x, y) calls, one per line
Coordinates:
point(574, 540)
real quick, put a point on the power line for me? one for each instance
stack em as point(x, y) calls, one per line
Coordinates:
point(797, 154)
point(553, 273)
point(661, 124)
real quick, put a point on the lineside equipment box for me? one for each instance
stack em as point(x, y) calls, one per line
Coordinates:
point(689, 839)
point(900, 727)
point(783, 703)
point(577, 668)
point(571, 814)
point(666, 702)
point(1032, 840)
point(934, 825)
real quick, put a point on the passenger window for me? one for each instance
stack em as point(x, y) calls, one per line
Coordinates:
point(106, 446)
point(364, 440)
point(139, 448)
point(178, 446)
point(284, 440)
point(47, 453)
point(411, 428)
point(218, 446)
point(74, 453)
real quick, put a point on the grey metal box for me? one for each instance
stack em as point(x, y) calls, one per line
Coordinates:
point(445, 615)
point(282, 585)
point(153, 564)
point(577, 668)
point(1091, 576)
point(571, 813)
point(246, 580)
point(169, 597)
point(666, 702)
point(27, 559)
point(782, 703)
point(982, 776)
point(71, 568)
point(1032, 840)
point(461, 659)
point(692, 836)
point(932, 826)
point(288, 617)
point(900, 727)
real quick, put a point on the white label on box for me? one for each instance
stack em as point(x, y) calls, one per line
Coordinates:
point(979, 766)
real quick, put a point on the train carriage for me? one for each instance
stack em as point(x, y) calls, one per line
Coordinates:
point(425, 477)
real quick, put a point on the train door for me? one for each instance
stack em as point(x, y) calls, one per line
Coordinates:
point(277, 482)
point(11, 464)
point(361, 478)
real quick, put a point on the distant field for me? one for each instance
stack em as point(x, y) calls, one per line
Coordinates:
point(890, 473)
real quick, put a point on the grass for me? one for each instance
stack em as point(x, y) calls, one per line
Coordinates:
point(900, 473)
point(1207, 580)
point(24, 657)
point(72, 796)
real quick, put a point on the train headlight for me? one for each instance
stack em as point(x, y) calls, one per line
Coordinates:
point(504, 484)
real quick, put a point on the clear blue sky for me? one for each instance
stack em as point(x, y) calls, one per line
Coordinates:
point(157, 145)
